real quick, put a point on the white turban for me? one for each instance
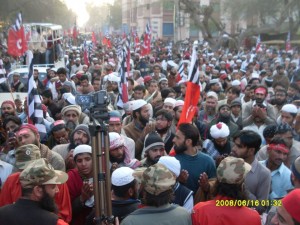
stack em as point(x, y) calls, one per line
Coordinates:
point(219, 130)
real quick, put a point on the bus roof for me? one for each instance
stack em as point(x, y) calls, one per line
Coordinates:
point(46, 25)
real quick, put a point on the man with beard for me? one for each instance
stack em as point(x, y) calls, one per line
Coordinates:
point(11, 191)
point(80, 184)
point(258, 108)
point(219, 146)
point(73, 116)
point(119, 154)
point(210, 108)
point(39, 84)
point(39, 186)
point(224, 116)
point(59, 134)
point(140, 126)
point(154, 148)
point(258, 180)
point(281, 175)
point(8, 108)
point(190, 157)
point(81, 135)
point(76, 67)
point(29, 134)
point(163, 127)
point(279, 101)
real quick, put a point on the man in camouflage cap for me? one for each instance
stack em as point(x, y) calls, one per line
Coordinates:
point(39, 186)
point(25, 155)
point(157, 183)
point(231, 199)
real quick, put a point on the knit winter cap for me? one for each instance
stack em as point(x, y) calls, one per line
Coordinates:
point(152, 140)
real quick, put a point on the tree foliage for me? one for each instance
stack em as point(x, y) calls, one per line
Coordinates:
point(50, 11)
point(268, 16)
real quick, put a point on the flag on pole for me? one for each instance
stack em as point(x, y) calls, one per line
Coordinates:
point(16, 42)
point(75, 32)
point(192, 91)
point(288, 46)
point(125, 62)
point(34, 102)
point(146, 47)
point(258, 44)
point(106, 40)
point(94, 40)
point(136, 41)
point(86, 53)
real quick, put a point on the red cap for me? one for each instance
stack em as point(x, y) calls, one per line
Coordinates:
point(30, 127)
point(10, 103)
point(291, 203)
point(147, 79)
point(223, 76)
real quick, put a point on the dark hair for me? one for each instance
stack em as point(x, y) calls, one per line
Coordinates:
point(84, 77)
point(94, 79)
point(253, 79)
point(282, 91)
point(269, 131)
point(130, 80)
point(157, 200)
point(15, 119)
point(58, 127)
point(234, 191)
point(140, 88)
point(61, 70)
point(135, 111)
point(279, 84)
point(26, 192)
point(253, 87)
point(294, 86)
point(234, 90)
point(278, 140)
point(190, 132)
point(35, 70)
point(166, 114)
point(250, 139)
point(283, 128)
point(121, 191)
point(47, 93)
point(166, 91)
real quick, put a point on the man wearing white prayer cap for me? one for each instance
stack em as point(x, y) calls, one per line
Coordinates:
point(124, 194)
point(169, 104)
point(288, 114)
point(139, 127)
point(218, 146)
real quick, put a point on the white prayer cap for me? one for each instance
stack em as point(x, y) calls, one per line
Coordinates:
point(179, 103)
point(172, 63)
point(122, 176)
point(239, 61)
point(171, 163)
point(112, 64)
point(289, 108)
point(236, 83)
point(213, 59)
point(170, 101)
point(219, 130)
point(136, 104)
point(212, 94)
point(214, 81)
point(112, 77)
point(82, 149)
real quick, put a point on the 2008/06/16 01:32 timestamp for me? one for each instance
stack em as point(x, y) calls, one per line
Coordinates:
point(248, 203)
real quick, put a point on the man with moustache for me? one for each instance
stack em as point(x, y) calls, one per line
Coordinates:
point(81, 135)
point(279, 101)
point(210, 108)
point(219, 146)
point(163, 127)
point(139, 127)
point(39, 186)
point(281, 175)
point(154, 148)
point(190, 157)
point(29, 134)
point(119, 154)
point(259, 108)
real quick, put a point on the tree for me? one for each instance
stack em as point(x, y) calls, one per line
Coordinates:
point(270, 16)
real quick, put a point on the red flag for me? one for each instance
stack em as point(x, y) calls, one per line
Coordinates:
point(75, 32)
point(146, 47)
point(192, 93)
point(85, 54)
point(94, 40)
point(16, 42)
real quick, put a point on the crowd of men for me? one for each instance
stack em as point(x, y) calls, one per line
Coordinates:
point(232, 164)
